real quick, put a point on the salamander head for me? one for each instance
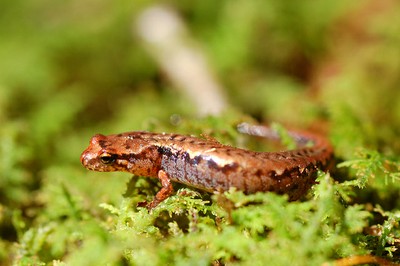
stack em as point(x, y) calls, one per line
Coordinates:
point(128, 152)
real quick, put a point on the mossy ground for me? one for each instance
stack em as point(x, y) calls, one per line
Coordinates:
point(72, 69)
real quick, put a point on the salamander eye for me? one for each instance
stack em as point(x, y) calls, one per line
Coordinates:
point(107, 158)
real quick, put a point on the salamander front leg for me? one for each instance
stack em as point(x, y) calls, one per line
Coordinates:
point(164, 192)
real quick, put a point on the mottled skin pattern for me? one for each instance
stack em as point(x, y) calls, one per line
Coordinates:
point(209, 165)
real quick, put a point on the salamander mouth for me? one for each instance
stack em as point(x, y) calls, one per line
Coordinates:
point(92, 167)
point(83, 159)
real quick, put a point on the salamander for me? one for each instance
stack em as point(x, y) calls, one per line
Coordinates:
point(209, 165)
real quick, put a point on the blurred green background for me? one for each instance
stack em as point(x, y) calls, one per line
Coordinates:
point(70, 69)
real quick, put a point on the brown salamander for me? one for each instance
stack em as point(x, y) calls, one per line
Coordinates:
point(209, 165)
